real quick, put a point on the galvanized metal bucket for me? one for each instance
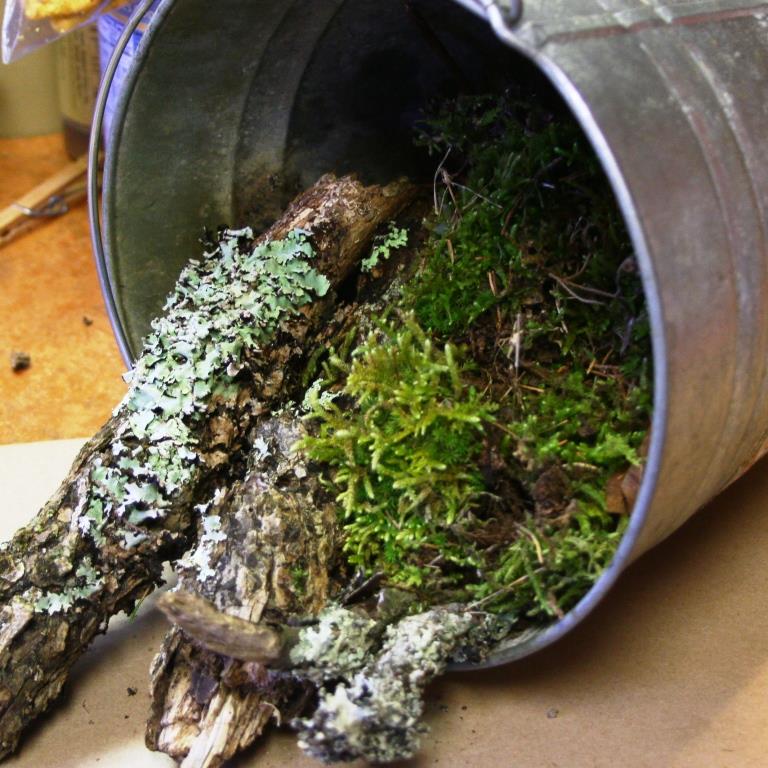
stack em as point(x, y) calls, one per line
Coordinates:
point(233, 104)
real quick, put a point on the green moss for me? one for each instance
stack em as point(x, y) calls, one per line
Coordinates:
point(578, 420)
point(528, 268)
point(549, 568)
point(402, 437)
point(299, 577)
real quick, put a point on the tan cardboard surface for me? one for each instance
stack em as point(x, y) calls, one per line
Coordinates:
point(672, 670)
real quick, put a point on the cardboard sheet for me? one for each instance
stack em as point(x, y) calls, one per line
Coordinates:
point(671, 671)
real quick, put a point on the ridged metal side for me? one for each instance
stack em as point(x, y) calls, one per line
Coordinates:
point(673, 97)
point(678, 93)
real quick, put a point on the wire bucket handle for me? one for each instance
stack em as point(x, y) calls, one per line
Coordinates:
point(94, 147)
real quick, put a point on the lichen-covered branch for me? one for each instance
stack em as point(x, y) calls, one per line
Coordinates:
point(375, 713)
point(274, 546)
point(236, 327)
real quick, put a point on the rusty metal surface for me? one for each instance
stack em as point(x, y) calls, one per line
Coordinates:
point(673, 97)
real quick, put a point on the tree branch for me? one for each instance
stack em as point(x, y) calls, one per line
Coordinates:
point(223, 355)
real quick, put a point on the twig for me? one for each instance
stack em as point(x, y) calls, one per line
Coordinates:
point(438, 171)
point(564, 285)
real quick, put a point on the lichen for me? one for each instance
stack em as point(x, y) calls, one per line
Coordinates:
point(199, 558)
point(224, 306)
point(395, 237)
point(376, 713)
point(88, 581)
point(337, 646)
point(229, 303)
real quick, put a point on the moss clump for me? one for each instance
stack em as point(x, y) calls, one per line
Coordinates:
point(549, 567)
point(402, 437)
point(528, 270)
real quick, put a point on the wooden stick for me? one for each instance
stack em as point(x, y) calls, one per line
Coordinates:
point(212, 694)
point(16, 212)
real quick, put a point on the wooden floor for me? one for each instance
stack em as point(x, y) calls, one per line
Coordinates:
point(48, 286)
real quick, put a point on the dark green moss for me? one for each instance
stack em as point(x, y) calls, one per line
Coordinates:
point(528, 278)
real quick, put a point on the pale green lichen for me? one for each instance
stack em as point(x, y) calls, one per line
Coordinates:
point(260, 449)
point(199, 558)
point(229, 303)
point(376, 713)
point(224, 306)
point(337, 646)
point(317, 397)
point(88, 582)
point(396, 237)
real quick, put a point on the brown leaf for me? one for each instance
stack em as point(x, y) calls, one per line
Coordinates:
point(614, 498)
point(630, 486)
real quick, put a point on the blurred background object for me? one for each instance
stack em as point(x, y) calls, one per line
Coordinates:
point(77, 64)
point(28, 100)
point(53, 89)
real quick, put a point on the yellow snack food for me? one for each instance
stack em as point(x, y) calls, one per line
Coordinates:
point(64, 24)
point(51, 9)
point(68, 23)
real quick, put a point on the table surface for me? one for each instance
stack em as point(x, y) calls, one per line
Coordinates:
point(671, 670)
point(48, 285)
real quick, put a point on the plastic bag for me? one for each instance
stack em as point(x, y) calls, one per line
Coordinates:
point(29, 24)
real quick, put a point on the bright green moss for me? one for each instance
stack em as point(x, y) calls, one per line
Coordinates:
point(402, 438)
point(549, 568)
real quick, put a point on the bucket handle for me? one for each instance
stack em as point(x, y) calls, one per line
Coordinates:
point(94, 147)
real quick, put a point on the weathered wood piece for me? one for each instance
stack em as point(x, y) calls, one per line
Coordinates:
point(227, 350)
point(275, 544)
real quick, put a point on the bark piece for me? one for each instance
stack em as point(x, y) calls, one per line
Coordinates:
point(622, 489)
point(270, 560)
point(376, 713)
point(128, 502)
point(221, 633)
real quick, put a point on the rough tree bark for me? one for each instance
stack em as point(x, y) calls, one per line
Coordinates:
point(128, 503)
point(276, 541)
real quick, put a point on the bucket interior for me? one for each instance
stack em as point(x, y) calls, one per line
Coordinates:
point(364, 84)
point(267, 97)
